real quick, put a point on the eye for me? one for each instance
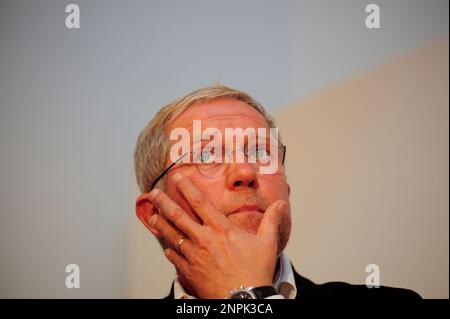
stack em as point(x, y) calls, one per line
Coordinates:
point(204, 157)
point(261, 153)
point(258, 153)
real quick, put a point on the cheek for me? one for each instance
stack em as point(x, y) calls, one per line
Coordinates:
point(213, 189)
point(247, 221)
point(274, 187)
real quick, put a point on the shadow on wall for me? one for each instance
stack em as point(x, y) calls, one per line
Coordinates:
point(368, 166)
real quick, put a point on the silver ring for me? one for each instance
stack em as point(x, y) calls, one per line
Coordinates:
point(179, 244)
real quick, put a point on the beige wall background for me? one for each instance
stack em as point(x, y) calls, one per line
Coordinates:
point(367, 161)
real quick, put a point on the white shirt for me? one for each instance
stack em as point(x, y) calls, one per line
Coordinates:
point(284, 282)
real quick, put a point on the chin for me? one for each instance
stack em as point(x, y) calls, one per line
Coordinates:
point(248, 221)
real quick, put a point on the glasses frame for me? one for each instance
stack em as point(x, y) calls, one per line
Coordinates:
point(182, 156)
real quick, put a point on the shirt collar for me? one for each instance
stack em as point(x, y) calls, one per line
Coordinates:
point(284, 281)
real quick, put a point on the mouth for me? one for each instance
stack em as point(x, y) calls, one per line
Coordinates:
point(247, 209)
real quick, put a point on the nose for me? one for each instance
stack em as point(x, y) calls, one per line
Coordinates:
point(241, 176)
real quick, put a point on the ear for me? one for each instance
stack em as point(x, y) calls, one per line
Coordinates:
point(144, 211)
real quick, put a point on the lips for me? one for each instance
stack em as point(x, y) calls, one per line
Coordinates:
point(247, 208)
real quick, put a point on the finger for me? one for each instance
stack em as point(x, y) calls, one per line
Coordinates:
point(171, 235)
point(178, 261)
point(174, 213)
point(273, 216)
point(199, 203)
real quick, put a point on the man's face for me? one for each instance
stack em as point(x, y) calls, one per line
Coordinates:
point(239, 184)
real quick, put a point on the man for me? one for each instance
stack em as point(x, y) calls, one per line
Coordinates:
point(224, 223)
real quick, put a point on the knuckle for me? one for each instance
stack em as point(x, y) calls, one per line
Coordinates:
point(157, 198)
point(203, 239)
point(197, 201)
point(201, 242)
point(176, 213)
point(195, 257)
point(223, 230)
point(208, 232)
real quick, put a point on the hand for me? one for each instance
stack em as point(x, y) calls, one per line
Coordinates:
point(217, 256)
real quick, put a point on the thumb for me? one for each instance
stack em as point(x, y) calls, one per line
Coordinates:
point(273, 216)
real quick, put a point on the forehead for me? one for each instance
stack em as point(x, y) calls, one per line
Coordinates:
point(220, 113)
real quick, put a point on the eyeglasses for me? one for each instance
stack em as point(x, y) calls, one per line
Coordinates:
point(212, 164)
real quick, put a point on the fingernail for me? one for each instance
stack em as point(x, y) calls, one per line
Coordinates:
point(176, 177)
point(153, 194)
point(282, 205)
point(153, 220)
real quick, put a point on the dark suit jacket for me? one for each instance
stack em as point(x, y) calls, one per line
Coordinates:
point(308, 290)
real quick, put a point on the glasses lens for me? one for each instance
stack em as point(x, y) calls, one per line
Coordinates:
point(211, 162)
